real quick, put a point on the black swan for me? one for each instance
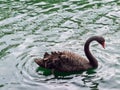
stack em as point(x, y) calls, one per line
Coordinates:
point(65, 61)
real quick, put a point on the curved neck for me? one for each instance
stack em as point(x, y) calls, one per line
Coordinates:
point(90, 57)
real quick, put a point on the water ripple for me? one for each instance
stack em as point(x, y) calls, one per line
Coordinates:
point(30, 28)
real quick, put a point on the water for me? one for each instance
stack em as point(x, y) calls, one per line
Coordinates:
point(28, 28)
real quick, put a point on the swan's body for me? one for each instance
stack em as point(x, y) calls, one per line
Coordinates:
point(68, 61)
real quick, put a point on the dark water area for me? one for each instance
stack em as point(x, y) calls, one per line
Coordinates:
point(28, 28)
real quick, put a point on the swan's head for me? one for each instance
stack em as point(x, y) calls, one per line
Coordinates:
point(101, 40)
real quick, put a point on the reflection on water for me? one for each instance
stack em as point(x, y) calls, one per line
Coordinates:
point(30, 28)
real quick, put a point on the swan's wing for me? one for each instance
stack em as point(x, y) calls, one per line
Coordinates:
point(63, 61)
point(70, 61)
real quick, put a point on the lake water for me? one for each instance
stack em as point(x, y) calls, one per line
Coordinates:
point(28, 28)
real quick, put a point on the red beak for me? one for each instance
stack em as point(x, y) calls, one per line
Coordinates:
point(103, 45)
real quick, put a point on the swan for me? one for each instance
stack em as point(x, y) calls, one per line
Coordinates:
point(66, 61)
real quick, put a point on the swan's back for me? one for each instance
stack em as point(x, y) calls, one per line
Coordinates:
point(64, 61)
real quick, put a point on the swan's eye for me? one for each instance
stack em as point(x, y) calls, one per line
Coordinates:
point(101, 40)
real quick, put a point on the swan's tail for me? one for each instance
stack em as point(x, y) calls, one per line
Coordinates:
point(49, 60)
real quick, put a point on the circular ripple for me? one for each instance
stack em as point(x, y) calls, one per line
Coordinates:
point(36, 27)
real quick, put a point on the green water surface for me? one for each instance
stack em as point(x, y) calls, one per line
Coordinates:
point(29, 28)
